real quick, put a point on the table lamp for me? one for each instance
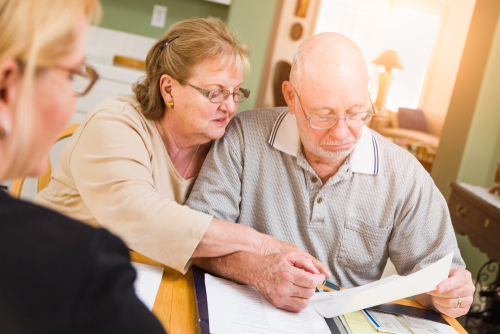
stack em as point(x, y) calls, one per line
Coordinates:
point(389, 59)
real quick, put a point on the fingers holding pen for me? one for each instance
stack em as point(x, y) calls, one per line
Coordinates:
point(287, 280)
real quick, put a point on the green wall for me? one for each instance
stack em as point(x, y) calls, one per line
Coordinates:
point(253, 21)
point(134, 16)
point(482, 149)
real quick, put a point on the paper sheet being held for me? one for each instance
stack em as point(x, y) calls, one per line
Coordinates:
point(331, 304)
point(235, 308)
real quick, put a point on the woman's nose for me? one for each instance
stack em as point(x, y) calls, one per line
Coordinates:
point(229, 105)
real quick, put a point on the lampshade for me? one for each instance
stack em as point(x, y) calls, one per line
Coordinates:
point(389, 59)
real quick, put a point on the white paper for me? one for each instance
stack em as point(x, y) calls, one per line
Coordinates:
point(424, 326)
point(235, 308)
point(147, 283)
point(385, 322)
point(331, 304)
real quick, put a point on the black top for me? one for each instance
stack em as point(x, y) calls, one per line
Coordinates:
point(58, 275)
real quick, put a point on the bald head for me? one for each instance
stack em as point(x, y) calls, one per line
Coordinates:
point(328, 58)
point(328, 77)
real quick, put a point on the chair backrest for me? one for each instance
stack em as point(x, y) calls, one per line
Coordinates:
point(281, 73)
point(412, 119)
point(43, 181)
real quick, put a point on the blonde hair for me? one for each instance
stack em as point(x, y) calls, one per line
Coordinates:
point(198, 41)
point(37, 33)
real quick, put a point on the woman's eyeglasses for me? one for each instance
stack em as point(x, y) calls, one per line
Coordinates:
point(82, 80)
point(220, 95)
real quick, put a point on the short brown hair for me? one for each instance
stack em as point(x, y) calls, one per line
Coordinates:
point(199, 41)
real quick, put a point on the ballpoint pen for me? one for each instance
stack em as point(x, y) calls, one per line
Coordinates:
point(329, 286)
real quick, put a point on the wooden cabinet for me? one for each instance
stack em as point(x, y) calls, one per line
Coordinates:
point(478, 219)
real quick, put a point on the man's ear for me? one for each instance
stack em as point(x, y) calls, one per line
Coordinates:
point(289, 95)
point(166, 82)
point(10, 78)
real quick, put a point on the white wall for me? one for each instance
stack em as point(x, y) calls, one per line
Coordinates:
point(443, 66)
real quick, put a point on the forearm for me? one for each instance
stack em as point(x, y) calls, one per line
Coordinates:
point(224, 238)
point(236, 267)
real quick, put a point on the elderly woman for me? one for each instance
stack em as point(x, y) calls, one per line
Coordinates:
point(57, 275)
point(131, 164)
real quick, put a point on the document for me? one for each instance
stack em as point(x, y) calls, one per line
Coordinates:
point(344, 322)
point(235, 308)
point(332, 304)
point(358, 324)
point(147, 283)
point(424, 326)
point(385, 322)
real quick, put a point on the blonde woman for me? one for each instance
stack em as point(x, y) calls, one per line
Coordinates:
point(57, 275)
point(131, 164)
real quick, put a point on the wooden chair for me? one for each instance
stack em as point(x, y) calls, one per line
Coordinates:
point(43, 181)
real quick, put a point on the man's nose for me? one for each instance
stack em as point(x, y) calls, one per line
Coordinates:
point(340, 130)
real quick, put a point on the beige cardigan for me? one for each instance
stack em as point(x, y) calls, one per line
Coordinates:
point(116, 173)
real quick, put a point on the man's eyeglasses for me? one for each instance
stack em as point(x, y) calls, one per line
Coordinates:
point(82, 80)
point(323, 122)
point(220, 95)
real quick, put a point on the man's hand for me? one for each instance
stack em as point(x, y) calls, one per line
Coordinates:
point(287, 279)
point(270, 245)
point(445, 298)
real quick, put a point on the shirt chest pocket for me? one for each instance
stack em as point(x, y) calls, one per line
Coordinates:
point(362, 246)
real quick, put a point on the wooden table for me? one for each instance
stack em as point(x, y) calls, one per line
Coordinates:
point(175, 303)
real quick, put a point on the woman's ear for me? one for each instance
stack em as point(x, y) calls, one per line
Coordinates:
point(289, 95)
point(166, 82)
point(10, 80)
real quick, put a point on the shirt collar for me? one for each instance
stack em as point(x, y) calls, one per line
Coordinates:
point(363, 159)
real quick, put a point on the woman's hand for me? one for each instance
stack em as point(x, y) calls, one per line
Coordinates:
point(271, 245)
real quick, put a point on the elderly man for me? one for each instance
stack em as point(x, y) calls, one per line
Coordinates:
point(314, 176)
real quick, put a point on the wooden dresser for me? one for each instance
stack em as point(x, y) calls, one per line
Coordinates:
point(474, 214)
point(476, 218)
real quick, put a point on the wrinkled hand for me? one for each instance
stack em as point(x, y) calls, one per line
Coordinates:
point(270, 245)
point(286, 279)
point(445, 298)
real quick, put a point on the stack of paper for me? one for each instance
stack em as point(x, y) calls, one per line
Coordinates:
point(235, 308)
point(373, 322)
point(147, 283)
point(385, 322)
point(423, 326)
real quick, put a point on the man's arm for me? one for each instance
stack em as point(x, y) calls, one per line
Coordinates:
point(286, 279)
point(422, 235)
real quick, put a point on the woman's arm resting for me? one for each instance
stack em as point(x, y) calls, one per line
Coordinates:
point(224, 238)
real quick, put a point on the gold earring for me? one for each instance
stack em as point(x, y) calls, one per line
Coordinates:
point(170, 104)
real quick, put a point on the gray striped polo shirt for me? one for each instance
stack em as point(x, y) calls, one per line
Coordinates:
point(381, 203)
